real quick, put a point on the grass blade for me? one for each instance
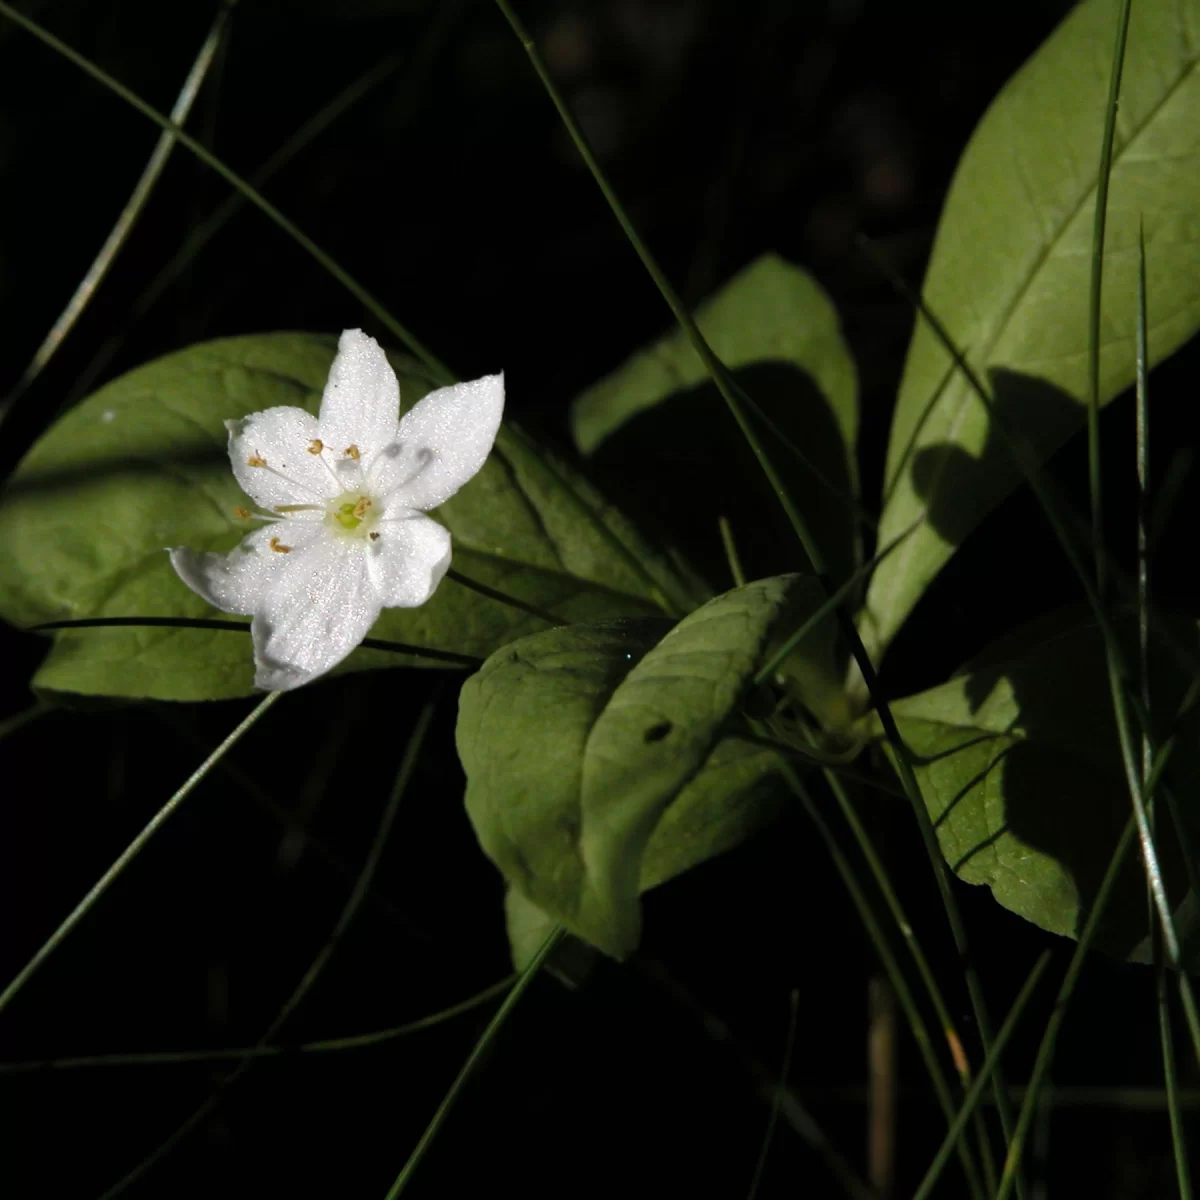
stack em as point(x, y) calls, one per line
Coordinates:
point(447, 656)
point(1095, 290)
point(468, 1068)
point(976, 1090)
point(441, 372)
point(316, 967)
point(419, 66)
point(895, 976)
point(356, 1041)
point(733, 400)
point(132, 851)
point(129, 215)
point(1066, 991)
point(785, 1069)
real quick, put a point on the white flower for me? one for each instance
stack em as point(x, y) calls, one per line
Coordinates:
point(343, 496)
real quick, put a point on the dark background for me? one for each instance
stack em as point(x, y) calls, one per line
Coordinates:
point(452, 193)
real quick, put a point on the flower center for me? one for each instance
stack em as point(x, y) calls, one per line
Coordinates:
point(352, 514)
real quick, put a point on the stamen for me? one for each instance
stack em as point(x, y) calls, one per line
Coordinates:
point(278, 546)
point(295, 483)
point(249, 514)
point(360, 509)
point(291, 508)
point(352, 452)
point(256, 460)
point(316, 446)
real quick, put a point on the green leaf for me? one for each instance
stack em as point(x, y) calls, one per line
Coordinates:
point(602, 761)
point(659, 428)
point(1020, 767)
point(142, 465)
point(1010, 268)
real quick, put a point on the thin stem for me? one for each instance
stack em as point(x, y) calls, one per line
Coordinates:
point(881, 1085)
point(1154, 875)
point(791, 1107)
point(1179, 1141)
point(504, 598)
point(415, 77)
point(883, 882)
point(941, 871)
point(674, 605)
point(772, 427)
point(357, 1041)
point(721, 378)
point(1142, 422)
point(975, 1093)
point(297, 831)
point(1095, 291)
point(731, 553)
point(129, 215)
point(447, 656)
point(438, 369)
point(1162, 996)
point(1066, 991)
point(132, 851)
point(785, 1070)
point(716, 369)
point(473, 1059)
point(904, 995)
point(1135, 762)
point(828, 607)
point(10, 725)
point(349, 910)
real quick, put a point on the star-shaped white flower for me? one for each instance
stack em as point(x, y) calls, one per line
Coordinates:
point(343, 497)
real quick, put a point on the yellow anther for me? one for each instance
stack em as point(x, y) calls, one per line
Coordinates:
point(241, 513)
point(279, 547)
point(352, 452)
point(256, 460)
point(316, 446)
point(360, 509)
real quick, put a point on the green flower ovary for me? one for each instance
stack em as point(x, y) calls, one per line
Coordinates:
point(352, 513)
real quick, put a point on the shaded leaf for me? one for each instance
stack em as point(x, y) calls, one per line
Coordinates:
point(659, 428)
point(142, 465)
point(1010, 270)
point(601, 759)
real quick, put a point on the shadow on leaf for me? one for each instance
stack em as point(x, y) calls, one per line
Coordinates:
point(684, 463)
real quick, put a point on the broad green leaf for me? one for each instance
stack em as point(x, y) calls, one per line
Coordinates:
point(601, 760)
point(1020, 767)
point(658, 426)
point(1010, 270)
point(141, 465)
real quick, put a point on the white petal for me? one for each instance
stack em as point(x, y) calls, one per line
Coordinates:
point(361, 404)
point(316, 610)
point(441, 443)
point(407, 561)
point(237, 582)
point(282, 439)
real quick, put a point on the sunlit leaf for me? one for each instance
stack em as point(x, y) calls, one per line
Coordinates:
point(142, 465)
point(1010, 269)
